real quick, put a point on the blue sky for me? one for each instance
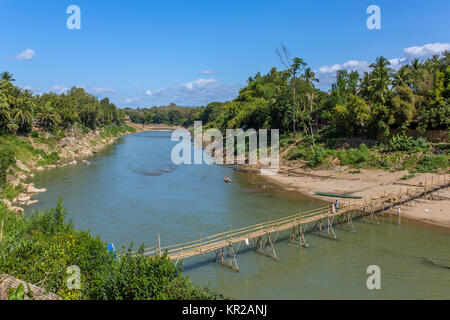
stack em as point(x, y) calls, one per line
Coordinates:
point(144, 53)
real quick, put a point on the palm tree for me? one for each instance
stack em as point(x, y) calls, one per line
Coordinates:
point(47, 116)
point(22, 110)
point(415, 65)
point(403, 77)
point(309, 76)
point(5, 114)
point(7, 76)
point(379, 80)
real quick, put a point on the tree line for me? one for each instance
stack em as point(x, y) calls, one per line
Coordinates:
point(20, 109)
point(417, 96)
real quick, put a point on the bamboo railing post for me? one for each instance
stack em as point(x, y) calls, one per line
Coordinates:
point(159, 244)
point(231, 233)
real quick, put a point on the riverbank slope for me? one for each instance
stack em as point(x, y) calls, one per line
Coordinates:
point(367, 183)
point(42, 151)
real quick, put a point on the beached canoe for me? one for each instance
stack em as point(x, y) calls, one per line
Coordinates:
point(337, 195)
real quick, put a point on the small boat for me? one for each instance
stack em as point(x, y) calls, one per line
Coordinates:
point(337, 195)
point(227, 180)
point(238, 169)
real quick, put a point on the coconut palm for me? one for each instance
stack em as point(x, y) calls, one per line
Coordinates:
point(22, 110)
point(309, 76)
point(7, 76)
point(46, 116)
point(379, 80)
point(403, 77)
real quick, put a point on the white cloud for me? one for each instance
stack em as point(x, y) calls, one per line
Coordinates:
point(209, 72)
point(349, 65)
point(154, 92)
point(35, 90)
point(195, 92)
point(396, 63)
point(26, 55)
point(327, 74)
point(199, 83)
point(59, 89)
point(132, 100)
point(101, 91)
point(426, 50)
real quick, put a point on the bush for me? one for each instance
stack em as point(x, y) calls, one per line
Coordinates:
point(431, 162)
point(357, 157)
point(406, 143)
point(314, 157)
point(6, 160)
point(44, 245)
point(9, 192)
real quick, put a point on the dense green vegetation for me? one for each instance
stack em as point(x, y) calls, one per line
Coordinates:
point(398, 154)
point(20, 109)
point(40, 248)
point(317, 128)
point(379, 107)
point(383, 101)
point(23, 114)
point(171, 115)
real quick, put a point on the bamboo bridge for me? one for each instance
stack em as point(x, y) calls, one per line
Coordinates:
point(225, 245)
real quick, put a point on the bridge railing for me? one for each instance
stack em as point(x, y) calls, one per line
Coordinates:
point(219, 240)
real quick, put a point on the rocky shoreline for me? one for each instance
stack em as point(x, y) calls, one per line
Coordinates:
point(72, 150)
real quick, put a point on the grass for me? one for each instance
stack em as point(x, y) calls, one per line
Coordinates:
point(400, 154)
point(24, 151)
point(10, 192)
point(115, 130)
point(44, 245)
point(408, 176)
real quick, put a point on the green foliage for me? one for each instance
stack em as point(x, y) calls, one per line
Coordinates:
point(21, 149)
point(44, 245)
point(19, 109)
point(431, 162)
point(406, 143)
point(172, 114)
point(18, 294)
point(9, 192)
point(357, 157)
point(6, 160)
point(112, 130)
point(351, 118)
point(408, 176)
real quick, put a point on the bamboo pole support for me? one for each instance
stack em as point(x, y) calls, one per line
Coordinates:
point(159, 244)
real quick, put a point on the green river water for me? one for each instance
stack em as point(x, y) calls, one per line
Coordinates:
point(125, 195)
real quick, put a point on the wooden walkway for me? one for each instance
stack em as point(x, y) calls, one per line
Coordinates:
point(226, 244)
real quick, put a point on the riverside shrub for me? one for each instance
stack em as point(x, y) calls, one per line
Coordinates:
point(39, 249)
point(406, 143)
point(6, 160)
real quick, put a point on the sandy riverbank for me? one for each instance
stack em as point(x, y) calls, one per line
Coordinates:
point(367, 183)
point(153, 127)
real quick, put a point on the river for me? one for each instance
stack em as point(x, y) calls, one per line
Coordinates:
point(131, 192)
